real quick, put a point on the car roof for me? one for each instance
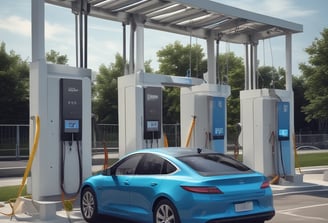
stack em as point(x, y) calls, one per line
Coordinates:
point(177, 151)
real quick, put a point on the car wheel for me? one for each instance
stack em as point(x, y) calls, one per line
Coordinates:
point(89, 205)
point(165, 212)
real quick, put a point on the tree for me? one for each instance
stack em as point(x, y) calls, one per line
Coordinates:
point(231, 71)
point(299, 102)
point(105, 92)
point(175, 60)
point(14, 85)
point(315, 75)
point(105, 104)
point(270, 77)
point(56, 58)
point(14, 88)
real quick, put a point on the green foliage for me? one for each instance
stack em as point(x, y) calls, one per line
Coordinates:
point(105, 95)
point(316, 80)
point(231, 71)
point(105, 92)
point(299, 101)
point(14, 85)
point(148, 68)
point(175, 60)
point(14, 88)
point(270, 77)
point(56, 58)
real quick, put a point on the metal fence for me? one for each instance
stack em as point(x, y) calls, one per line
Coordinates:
point(14, 139)
point(312, 141)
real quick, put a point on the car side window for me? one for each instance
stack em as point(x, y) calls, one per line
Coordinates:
point(168, 167)
point(129, 165)
point(150, 164)
point(153, 164)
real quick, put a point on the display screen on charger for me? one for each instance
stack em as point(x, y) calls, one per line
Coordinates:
point(283, 134)
point(152, 126)
point(72, 126)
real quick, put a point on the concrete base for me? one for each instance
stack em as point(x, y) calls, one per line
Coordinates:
point(325, 175)
point(28, 209)
point(295, 180)
point(47, 209)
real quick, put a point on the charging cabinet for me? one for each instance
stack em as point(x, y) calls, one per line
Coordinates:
point(153, 113)
point(56, 96)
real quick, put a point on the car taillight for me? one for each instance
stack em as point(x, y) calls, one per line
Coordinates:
point(202, 190)
point(265, 184)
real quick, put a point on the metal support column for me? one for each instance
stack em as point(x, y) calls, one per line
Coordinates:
point(246, 62)
point(131, 60)
point(217, 62)
point(124, 49)
point(254, 64)
point(81, 11)
point(211, 62)
point(140, 65)
point(289, 85)
point(38, 44)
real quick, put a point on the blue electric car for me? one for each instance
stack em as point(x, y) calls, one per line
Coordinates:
point(178, 185)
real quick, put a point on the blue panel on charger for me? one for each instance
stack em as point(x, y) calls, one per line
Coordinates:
point(283, 120)
point(218, 126)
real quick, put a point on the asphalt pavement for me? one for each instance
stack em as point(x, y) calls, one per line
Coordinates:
point(312, 177)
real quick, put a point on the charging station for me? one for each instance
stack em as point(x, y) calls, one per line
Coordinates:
point(61, 96)
point(140, 109)
point(206, 103)
point(266, 136)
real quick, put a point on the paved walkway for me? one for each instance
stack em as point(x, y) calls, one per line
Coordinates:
point(312, 177)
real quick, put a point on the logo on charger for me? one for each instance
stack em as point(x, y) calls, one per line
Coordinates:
point(220, 105)
point(152, 97)
point(72, 89)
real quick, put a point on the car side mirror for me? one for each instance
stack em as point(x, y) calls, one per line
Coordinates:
point(109, 172)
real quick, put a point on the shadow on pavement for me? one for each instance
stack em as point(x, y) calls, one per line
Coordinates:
point(108, 219)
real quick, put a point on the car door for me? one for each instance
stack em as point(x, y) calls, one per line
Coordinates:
point(144, 185)
point(115, 191)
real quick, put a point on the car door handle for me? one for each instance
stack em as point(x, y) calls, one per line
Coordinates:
point(126, 182)
point(153, 184)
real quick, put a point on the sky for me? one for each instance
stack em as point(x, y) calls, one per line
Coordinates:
point(105, 37)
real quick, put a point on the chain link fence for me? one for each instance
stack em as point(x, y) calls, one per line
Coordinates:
point(14, 139)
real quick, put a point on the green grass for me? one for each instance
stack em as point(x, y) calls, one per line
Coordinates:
point(10, 192)
point(312, 159)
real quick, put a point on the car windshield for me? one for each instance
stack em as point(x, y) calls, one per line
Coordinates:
point(214, 164)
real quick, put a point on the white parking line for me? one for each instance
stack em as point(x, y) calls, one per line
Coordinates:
point(302, 216)
point(304, 207)
point(288, 212)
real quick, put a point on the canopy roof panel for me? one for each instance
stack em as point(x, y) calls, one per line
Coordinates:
point(188, 17)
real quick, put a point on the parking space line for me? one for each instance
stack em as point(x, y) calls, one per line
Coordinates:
point(289, 212)
point(305, 207)
point(302, 216)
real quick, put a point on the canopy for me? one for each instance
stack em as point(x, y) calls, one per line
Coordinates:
point(197, 18)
